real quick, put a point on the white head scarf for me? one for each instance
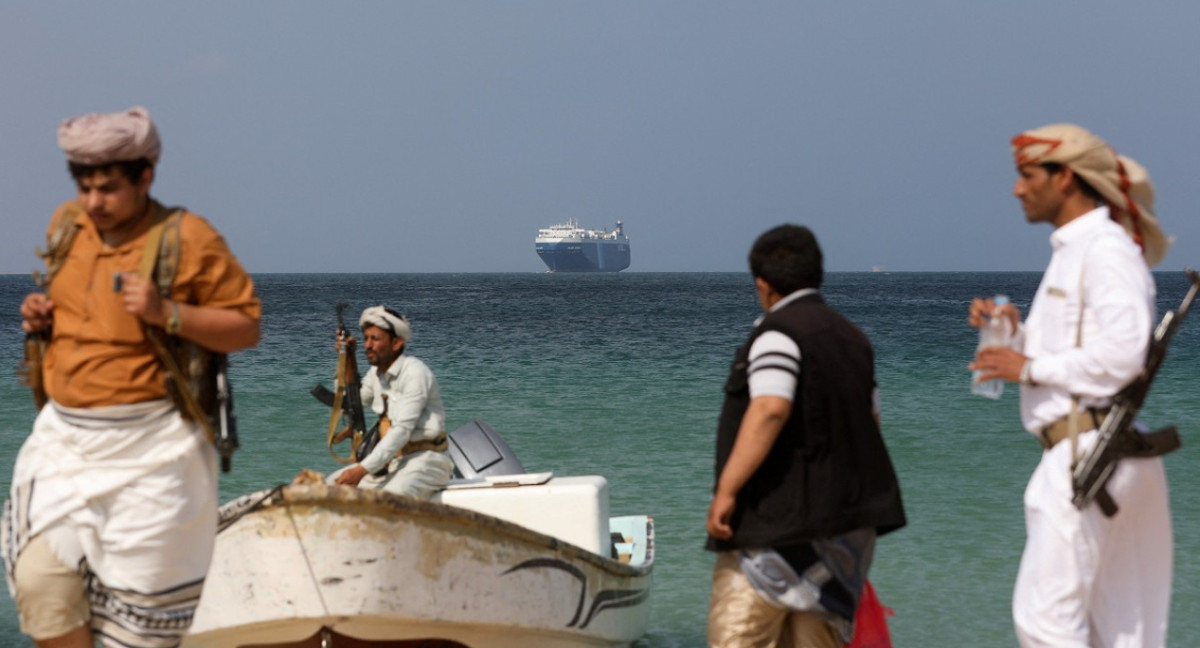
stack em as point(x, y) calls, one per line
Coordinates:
point(388, 320)
point(102, 138)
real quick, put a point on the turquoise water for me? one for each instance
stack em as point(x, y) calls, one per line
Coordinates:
point(620, 375)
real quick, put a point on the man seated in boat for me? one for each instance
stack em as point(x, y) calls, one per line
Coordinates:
point(410, 457)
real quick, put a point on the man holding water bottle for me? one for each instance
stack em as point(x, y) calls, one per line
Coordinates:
point(1085, 580)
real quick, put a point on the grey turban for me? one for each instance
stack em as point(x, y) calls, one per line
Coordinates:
point(103, 138)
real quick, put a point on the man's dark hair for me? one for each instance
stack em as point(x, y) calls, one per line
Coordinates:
point(131, 169)
point(1087, 189)
point(788, 258)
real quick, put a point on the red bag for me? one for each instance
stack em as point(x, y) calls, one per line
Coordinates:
point(870, 621)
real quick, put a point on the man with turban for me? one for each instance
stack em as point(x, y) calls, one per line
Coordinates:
point(410, 458)
point(111, 517)
point(1086, 579)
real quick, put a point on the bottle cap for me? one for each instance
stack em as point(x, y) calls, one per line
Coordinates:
point(1001, 300)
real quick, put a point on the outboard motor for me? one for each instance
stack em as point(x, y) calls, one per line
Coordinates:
point(478, 451)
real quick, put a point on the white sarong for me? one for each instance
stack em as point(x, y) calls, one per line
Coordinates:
point(129, 494)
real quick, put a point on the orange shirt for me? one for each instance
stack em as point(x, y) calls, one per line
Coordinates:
point(98, 354)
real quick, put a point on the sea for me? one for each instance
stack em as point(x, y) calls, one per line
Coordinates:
point(620, 375)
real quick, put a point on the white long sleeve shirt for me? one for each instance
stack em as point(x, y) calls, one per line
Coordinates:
point(1096, 273)
point(414, 406)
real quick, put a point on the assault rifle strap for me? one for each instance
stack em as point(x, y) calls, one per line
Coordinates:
point(151, 254)
point(335, 414)
point(58, 243)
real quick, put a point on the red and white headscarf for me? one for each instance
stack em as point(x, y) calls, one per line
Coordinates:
point(103, 138)
point(1124, 184)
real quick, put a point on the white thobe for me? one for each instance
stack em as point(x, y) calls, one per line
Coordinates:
point(1087, 580)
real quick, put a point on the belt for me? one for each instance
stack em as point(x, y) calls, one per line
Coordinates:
point(1061, 429)
point(436, 444)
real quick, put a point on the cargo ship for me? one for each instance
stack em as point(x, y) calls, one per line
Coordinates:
point(567, 247)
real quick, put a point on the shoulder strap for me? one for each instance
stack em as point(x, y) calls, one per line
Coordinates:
point(160, 256)
point(152, 254)
point(150, 250)
point(58, 243)
point(169, 249)
point(1074, 427)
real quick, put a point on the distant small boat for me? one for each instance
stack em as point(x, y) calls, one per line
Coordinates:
point(567, 247)
point(495, 561)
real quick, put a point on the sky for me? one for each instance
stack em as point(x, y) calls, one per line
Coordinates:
point(395, 136)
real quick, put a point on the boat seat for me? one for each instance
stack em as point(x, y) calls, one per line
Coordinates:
point(478, 451)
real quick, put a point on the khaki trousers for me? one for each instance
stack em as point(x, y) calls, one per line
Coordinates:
point(49, 595)
point(739, 618)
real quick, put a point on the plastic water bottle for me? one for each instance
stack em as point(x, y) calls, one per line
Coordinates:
point(995, 331)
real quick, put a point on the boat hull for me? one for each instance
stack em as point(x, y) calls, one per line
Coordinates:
point(584, 256)
point(377, 567)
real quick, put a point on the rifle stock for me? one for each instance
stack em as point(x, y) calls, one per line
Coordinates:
point(1117, 437)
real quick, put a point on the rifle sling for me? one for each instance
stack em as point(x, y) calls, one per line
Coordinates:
point(58, 245)
point(150, 251)
point(335, 413)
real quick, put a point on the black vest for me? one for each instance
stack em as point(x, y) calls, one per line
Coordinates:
point(829, 471)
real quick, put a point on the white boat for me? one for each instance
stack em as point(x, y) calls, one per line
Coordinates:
point(494, 561)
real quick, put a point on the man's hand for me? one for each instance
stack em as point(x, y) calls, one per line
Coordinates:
point(223, 330)
point(760, 426)
point(142, 300)
point(999, 362)
point(346, 341)
point(37, 313)
point(352, 475)
point(981, 309)
point(719, 513)
point(343, 435)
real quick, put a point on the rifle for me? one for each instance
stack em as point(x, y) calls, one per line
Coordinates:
point(1118, 438)
point(371, 438)
point(224, 417)
point(347, 399)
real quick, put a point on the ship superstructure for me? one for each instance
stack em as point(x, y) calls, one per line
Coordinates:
point(567, 247)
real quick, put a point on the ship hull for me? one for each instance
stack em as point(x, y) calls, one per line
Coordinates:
point(584, 256)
